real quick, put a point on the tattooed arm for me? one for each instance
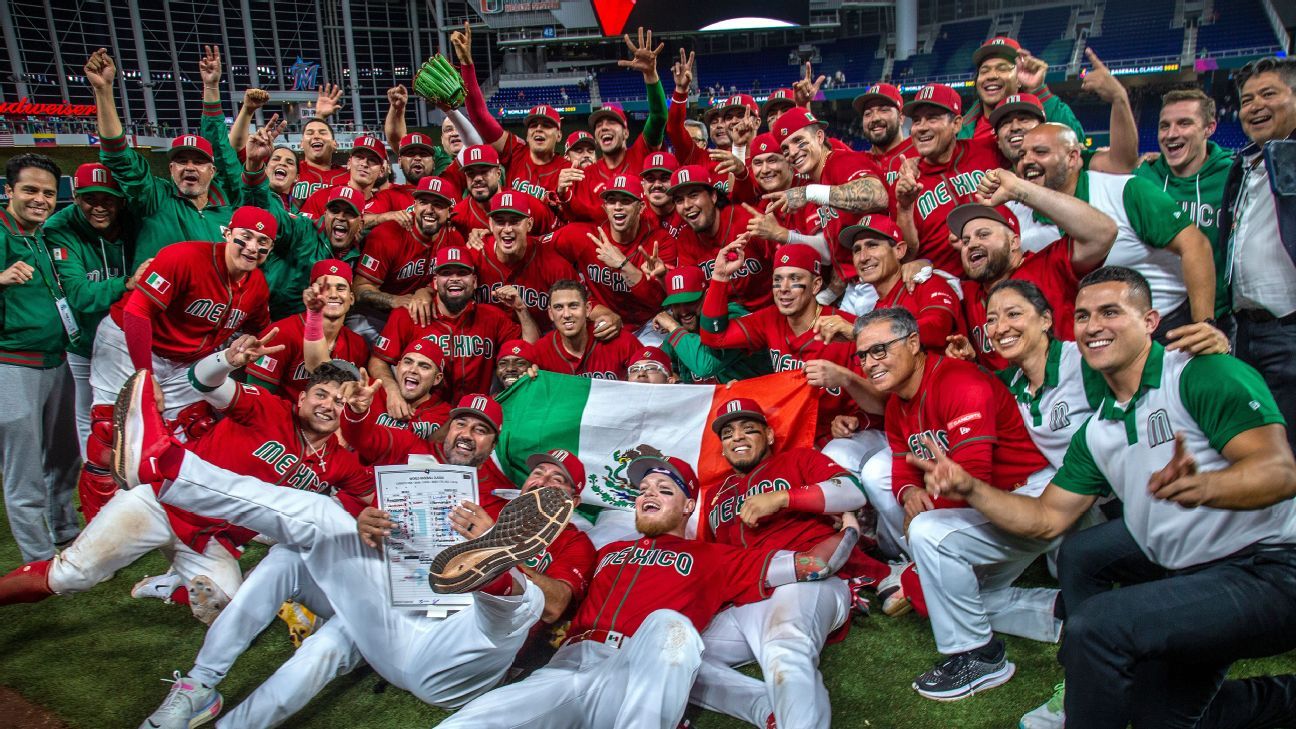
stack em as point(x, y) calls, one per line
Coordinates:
point(864, 195)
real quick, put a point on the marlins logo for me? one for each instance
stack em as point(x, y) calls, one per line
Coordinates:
point(614, 488)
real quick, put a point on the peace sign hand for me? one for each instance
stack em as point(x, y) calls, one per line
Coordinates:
point(358, 396)
point(248, 348)
point(653, 266)
point(209, 66)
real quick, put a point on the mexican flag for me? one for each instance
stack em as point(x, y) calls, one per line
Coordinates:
point(608, 423)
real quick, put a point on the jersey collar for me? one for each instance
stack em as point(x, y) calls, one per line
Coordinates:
point(1019, 383)
point(1108, 409)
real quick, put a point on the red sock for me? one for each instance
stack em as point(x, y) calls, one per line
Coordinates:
point(167, 465)
point(180, 596)
point(501, 586)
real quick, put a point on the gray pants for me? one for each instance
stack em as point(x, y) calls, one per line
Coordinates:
point(1270, 347)
point(39, 458)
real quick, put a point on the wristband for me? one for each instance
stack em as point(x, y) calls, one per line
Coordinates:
point(818, 193)
point(314, 326)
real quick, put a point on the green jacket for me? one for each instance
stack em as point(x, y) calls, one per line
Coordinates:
point(1055, 110)
point(165, 216)
point(31, 332)
point(693, 361)
point(441, 159)
point(1202, 197)
point(299, 245)
point(94, 269)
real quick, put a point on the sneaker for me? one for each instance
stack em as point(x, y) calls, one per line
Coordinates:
point(159, 587)
point(1050, 715)
point(891, 592)
point(139, 433)
point(189, 704)
point(963, 674)
point(206, 600)
point(301, 621)
point(526, 526)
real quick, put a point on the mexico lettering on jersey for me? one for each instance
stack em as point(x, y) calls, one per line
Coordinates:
point(751, 285)
point(399, 261)
point(428, 416)
point(792, 469)
point(312, 179)
point(600, 361)
point(470, 341)
point(524, 174)
point(285, 370)
point(636, 304)
point(945, 187)
point(539, 268)
point(201, 306)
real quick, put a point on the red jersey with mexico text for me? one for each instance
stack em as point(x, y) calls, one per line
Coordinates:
point(539, 268)
point(1048, 268)
point(399, 261)
point(382, 201)
point(585, 203)
point(260, 437)
point(636, 304)
point(796, 468)
point(201, 306)
point(470, 341)
point(751, 285)
point(888, 163)
point(633, 579)
point(601, 360)
point(286, 369)
point(524, 175)
point(945, 187)
point(312, 179)
point(972, 417)
point(671, 223)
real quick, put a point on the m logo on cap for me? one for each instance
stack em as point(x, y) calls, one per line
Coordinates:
point(677, 281)
point(479, 403)
point(874, 89)
point(417, 139)
point(684, 176)
point(926, 92)
point(474, 154)
point(99, 175)
point(452, 254)
point(733, 406)
point(619, 182)
point(345, 192)
point(506, 199)
point(190, 142)
point(1014, 99)
point(560, 454)
point(435, 184)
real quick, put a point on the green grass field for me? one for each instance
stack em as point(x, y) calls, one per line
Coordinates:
point(96, 659)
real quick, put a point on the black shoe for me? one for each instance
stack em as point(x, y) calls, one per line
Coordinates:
point(963, 674)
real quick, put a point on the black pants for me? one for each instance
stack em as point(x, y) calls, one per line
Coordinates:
point(1155, 652)
point(1270, 347)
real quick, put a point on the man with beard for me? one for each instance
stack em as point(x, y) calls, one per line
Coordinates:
point(366, 164)
point(882, 122)
point(311, 339)
point(711, 228)
point(627, 629)
point(1004, 68)
point(572, 348)
point(188, 206)
point(660, 210)
point(691, 360)
point(1153, 237)
point(469, 333)
point(513, 266)
point(581, 151)
point(513, 363)
point(481, 168)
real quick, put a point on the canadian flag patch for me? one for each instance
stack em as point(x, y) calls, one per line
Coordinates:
point(156, 282)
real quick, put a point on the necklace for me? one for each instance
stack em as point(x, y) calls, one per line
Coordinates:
point(315, 453)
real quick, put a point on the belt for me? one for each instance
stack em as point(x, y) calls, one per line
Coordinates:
point(608, 637)
point(1260, 316)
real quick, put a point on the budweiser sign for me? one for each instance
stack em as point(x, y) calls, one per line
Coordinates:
point(27, 108)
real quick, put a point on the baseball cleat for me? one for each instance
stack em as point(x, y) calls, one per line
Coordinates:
point(189, 704)
point(526, 526)
point(139, 433)
point(206, 600)
point(891, 591)
point(160, 587)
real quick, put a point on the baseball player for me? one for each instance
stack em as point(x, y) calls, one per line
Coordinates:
point(365, 165)
point(717, 132)
point(513, 363)
point(647, 601)
point(652, 367)
point(882, 122)
point(724, 165)
point(283, 168)
point(319, 335)
point(779, 101)
point(1004, 68)
point(417, 155)
point(966, 570)
point(469, 333)
point(659, 212)
point(417, 375)
point(581, 151)
point(417, 159)
point(691, 360)
point(854, 181)
point(711, 228)
point(572, 347)
point(317, 171)
point(482, 177)
point(510, 258)
point(775, 501)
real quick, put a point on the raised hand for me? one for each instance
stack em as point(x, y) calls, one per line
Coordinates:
point(260, 144)
point(682, 70)
point(957, 346)
point(643, 56)
point(313, 297)
point(908, 188)
point(806, 89)
point(328, 100)
point(249, 348)
point(358, 396)
point(209, 66)
point(461, 42)
point(100, 71)
point(1099, 79)
point(844, 426)
point(509, 296)
point(998, 187)
point(727, 163)
point(665, 323)
point(653, 266)
point(567, 177)
point(139, 272)
point(420, 306)
point(764, 225)
point(942, 475)
point(608, 254)
point(254, 99)
point(398, 97)
point(828, 328)
point(728, 261)
point(915, 272)
point(476, 240)
point(1030, 71)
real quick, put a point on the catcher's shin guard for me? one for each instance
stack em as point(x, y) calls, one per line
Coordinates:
point(96, 486)
point(29, 583)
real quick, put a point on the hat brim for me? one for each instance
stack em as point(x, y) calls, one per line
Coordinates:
point(515, 211)
point(709, 115)
point(365, 150)
point(851, 233)
point(686, 297)
point(472, 412)
point(344, 201)
point(646, 170)
point(640, 467)
point(1008, 53)
point(863, 99)
point(581, 142)
point(960, 216)
point(536, 459)
point(618, 191)
point(98, 188)
point(719, 423)
point(171, 153)
point(1004, 110)
point(695, 183)
point(909, 107)
point(429, 193)
point(418, 145)
point(605, 113)
point(771, 104)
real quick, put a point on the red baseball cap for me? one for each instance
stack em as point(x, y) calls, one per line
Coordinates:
point(875, 224)
point(710, 113)
point(660, 162)
point(960, 216)
point(371, 145)
point(1000, 46)
point(510, 201)
point(191, 141)
point(431, 350)
point(254, 219)
point(331, 267)
point(516, 348)
point(793, 121)
point(938, 95)
point(416, 139)
point(885, 93)
point(764, 144)
point(566, 461)
point(779, 99)
point(346, 194)
point(433, 186)
point(739, 408)
point(579, 137)
point(452, 256)
point(677, 469)
point(547, 113)
point(480, 406)
point(1028, 103)
point(608, 111)
point(652, 354)
point(743, 101)
point(684, 285)
point(798, 255)
point(479, 155)
point(94, 177)
point(623, 185)
point(688, 176)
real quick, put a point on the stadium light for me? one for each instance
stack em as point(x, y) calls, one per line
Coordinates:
point(749, 24)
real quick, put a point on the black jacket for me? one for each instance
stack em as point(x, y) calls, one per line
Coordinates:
point(1286, 204)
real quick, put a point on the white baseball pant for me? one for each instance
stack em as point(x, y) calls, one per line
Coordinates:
point(443, 662)
point(642, 684)
point(967, 566)
point(110, 366)
point(130, 525)
point(868, 457)
point(785, 633)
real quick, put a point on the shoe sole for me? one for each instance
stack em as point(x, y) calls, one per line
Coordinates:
point(208, 713)
point(206, 600)
point(526, 527)
point(144, 589)
point(985, 683)
point(896, 608)
point(125, 468)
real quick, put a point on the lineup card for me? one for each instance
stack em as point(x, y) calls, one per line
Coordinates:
point(419, 497)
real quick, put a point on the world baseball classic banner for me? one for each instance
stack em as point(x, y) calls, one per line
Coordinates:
point(608, 423)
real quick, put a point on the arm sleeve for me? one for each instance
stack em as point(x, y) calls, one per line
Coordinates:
point(1155, 217)
point(654, 129)
point(210, 376)
point(716, 329)
point(132, 173)
point(1079, 473)
point(686, 152)
point(137, 326)
point(212, 128)
point(475, 103)
point(832, 495)
point(1226, 396)
point(467, 132)
point(937, 314)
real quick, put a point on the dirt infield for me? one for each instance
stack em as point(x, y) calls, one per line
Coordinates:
point(19, 712)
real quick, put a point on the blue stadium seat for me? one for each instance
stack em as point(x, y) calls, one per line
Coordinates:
point(1242, 24)
point(534, 95)
point(1041, 33)
point(1138, 30)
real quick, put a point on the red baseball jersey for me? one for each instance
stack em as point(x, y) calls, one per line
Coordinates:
point(428, 417)
point(934, 304)
point(795, 530)
point(402, 194)
point(972, 417)
point(524, 175)
point(570, 559)
point(470, 215)
point(399, 261)
point(635, 304)
point(382, 201)
point(259, 436)
point(312, 179)
point(201, 306)
point(285, 370)
point(1048, 268)
point(672, 224)
point(751, 286)
point(584, 203)
point(470, 341)
point(539, 268)
point(633, 579)
point(842, 167)
point(601, 361)
point(945, 187)
point(888, 163)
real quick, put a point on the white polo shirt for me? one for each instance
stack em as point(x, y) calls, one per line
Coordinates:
point(1055, 411)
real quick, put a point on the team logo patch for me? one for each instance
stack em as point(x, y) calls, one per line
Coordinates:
point(368, 261)
point(382, 342)
point(156, 282)
point(267, 363)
